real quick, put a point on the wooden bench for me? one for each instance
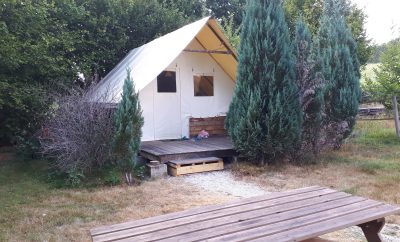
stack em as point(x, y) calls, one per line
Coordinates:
point(285, 216)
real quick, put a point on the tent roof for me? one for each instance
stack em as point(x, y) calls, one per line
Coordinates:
point(148, 61)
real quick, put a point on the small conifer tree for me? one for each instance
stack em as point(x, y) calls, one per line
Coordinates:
point(128, 122)
point(310, 88)
point(340, 67)
point(264, 118)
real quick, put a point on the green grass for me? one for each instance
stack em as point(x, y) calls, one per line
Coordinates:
point(375, 150)
point(375, 133)
point(373, 166)
point(351, 190)
point(21, 183)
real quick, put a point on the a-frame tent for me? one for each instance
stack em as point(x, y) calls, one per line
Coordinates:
point(189, 72)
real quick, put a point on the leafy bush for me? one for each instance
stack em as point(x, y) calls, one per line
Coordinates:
point(22, 109)
point(113, 177)
point(28, 147)
point(74, 178)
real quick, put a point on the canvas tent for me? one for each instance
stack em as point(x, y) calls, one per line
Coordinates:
point(189, 72)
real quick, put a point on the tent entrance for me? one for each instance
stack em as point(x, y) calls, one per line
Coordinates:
point(167, 105)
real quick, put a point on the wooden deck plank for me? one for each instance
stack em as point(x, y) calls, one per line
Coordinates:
point(202, 210)
point(333, 224)
point(205, 229)
point(215, 214)
point(168, 147)
point(193, 146)
point(165, 151)
point(194, 160)
point(160, 148)
point(218, 153)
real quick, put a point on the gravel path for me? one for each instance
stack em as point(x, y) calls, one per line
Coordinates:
point(223, 182)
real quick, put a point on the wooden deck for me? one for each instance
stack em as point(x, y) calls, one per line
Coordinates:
point(165, 151)
point(285, 216)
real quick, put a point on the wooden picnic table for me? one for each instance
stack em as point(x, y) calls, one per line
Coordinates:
point(282, 216)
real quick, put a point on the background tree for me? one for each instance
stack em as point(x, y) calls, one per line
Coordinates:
point(192, 9)
point(264, 118)
point(387, 83)
point(225, 9)
point(310, 88)
point(45, 44)
point(312, 11)
point(379, 50)
point(231, 31)
point(128, 123)
point(339, 65)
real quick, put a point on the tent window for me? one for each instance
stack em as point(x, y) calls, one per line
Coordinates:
point(166, 81)
point(203, 86)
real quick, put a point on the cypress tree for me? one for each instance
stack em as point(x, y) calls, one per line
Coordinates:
point(340, 67)
point(310, 87)
point(128, 122)
point(264, 118)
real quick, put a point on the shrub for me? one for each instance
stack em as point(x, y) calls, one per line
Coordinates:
point(78, 137)
point(310, 89)
point(264, 118)
point(128, 126)
point(338, 62)
point(113, 177)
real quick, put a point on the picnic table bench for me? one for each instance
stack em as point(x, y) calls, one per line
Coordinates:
point(285, 216)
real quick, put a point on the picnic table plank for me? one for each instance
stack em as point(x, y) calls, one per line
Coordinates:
point(212, 214)
point(331, 225)
point(207, 229)
point(288, 216)
point(200, 210)
point(270, 230)
point(160, 231)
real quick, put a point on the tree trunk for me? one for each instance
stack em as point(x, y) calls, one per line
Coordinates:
point(261, 162)
point(396, 116)
point(128, 178)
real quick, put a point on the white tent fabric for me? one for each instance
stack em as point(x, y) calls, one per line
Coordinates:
point(147, 61)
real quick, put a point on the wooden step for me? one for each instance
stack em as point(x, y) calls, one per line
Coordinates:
point(188, 166)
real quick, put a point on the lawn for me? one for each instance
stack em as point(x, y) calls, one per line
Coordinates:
point(31, 209)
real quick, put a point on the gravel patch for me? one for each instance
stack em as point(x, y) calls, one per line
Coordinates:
point(224, 182)
point(390, 233)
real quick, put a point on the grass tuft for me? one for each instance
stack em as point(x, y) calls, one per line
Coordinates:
point(376, 133)
point(351, 190)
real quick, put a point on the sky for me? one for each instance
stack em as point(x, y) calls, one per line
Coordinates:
point(383, 19)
